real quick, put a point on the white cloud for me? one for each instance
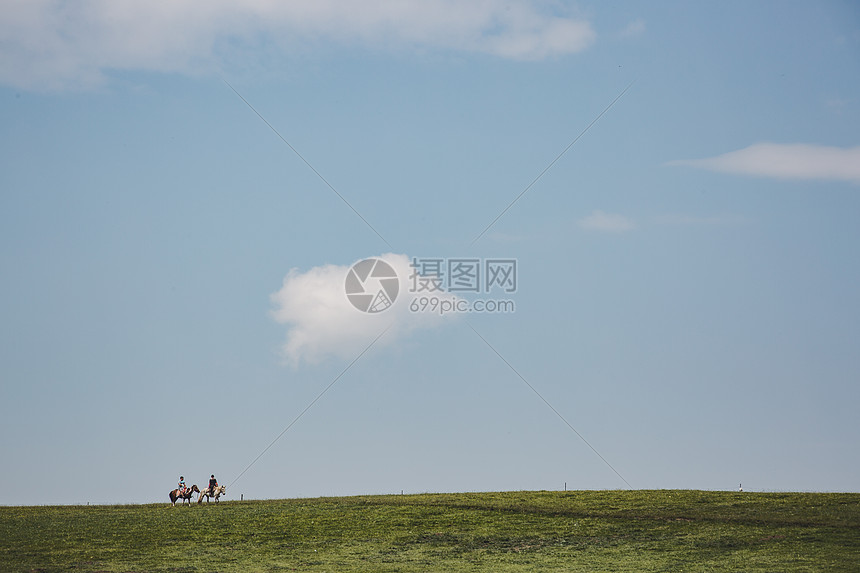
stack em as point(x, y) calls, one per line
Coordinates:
point(322, 322)
point(48, 44)
point(608, 222)
point(786, 161)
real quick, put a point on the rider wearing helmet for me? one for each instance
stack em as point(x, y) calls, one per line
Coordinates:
point(213, 483)
point(182, 487)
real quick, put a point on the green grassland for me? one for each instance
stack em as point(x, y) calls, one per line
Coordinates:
point(662, 530)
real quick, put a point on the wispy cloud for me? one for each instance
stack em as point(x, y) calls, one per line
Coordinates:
point(686, 220)
point(786, 161)
point(607, 222)
point(55, 45)
point(837, 105)
point(321, 322)
point(634, 29)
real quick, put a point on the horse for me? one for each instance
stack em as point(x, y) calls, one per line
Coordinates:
point(175, 495)
point(218, 492)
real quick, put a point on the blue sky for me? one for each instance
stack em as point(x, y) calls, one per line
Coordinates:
point(172, 293)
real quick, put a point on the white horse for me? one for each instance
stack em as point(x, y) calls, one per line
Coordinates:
point(216, 493)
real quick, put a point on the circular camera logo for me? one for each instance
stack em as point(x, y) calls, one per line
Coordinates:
point(372, 285)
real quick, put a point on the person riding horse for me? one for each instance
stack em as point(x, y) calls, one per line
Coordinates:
point(182, 487)
point(213, 483)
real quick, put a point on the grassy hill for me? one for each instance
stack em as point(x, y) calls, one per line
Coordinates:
point(517, 531)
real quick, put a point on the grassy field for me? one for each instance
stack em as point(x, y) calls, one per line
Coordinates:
point(517, 531)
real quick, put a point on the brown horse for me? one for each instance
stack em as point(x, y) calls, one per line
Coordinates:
point(175, 495)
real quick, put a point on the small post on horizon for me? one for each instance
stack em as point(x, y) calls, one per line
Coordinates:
point(565, 486)
point(242, 497)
